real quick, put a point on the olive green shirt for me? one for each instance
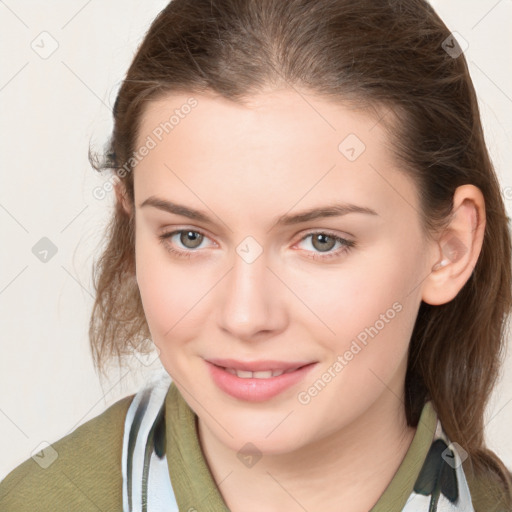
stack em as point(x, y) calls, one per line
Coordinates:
point(86, 473)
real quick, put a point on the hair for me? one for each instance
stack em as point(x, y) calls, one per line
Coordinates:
point(377, 53)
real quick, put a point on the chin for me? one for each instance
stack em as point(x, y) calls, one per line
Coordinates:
point(246, 434)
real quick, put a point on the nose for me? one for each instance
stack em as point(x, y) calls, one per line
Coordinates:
point(252, 303)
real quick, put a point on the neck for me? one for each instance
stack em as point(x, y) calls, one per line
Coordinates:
point(352, 466)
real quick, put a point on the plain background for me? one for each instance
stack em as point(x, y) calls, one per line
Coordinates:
point(52, 106)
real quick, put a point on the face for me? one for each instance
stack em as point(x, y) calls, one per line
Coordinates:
point(237, 275)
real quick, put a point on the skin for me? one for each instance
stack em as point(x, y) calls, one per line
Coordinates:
point(245, 165)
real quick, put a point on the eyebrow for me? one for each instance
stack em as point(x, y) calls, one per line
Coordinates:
point(335, 210)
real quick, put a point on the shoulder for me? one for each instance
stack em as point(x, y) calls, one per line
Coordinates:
point(82, 470)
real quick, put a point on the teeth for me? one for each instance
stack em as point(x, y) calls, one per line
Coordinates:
point(243, 374)
point(266, 374)
point(261, 375)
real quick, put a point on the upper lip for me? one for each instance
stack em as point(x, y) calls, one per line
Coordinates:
point(255, 366)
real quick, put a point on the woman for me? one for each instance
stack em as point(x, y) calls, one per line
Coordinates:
point(309, 229)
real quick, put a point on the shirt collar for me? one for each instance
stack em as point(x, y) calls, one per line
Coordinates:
point(194, 486)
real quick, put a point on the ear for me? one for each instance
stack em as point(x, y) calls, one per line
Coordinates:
point(456, 251)
point(122, 196)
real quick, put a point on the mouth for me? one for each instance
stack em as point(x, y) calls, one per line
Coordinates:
point(256, 381)
point(262, 374)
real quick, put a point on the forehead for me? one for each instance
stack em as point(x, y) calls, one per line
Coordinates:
point(280, 146)
point(281, 112)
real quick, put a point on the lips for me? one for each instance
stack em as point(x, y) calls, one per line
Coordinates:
point(256, 381)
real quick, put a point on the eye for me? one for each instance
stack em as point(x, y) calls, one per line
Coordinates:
point(188, 238)
point(324, 242)
point(191, 240)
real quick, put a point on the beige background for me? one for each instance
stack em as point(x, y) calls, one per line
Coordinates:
point(52, 105)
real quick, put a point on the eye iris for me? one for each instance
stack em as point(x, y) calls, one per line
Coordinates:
point(321, 239)
point(191, 236)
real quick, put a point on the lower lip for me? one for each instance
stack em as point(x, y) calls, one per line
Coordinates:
point(256, 390)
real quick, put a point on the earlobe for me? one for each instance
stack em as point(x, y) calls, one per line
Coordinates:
point(458, 249)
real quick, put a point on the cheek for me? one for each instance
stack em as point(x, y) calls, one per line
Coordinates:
point(347, 299)
point(167, 294)
point(369, 308)
point(367, 354)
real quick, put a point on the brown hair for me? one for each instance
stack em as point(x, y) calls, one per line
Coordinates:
point(376, 52)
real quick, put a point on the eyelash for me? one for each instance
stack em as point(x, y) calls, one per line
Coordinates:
point(347, 245)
